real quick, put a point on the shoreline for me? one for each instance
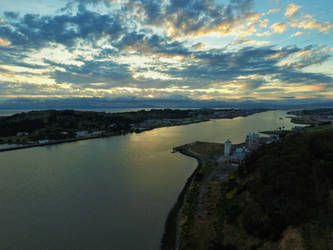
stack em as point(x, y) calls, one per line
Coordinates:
point(55, 142)
point(50, 143)
point(191, 200)
point(170, 239)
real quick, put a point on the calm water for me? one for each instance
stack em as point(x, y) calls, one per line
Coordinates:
point(111, 193)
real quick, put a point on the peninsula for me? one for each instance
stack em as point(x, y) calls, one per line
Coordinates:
point(280, 197)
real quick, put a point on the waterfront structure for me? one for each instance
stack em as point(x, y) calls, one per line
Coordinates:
point(82, 133)
point(252, 141)
point(227, 147)
point(22, 133)
point(239, 155)
point(43, 141)
point(95, 133)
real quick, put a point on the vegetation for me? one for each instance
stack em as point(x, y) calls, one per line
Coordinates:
point(280, 198)
point(63, 124)
point(282, 194)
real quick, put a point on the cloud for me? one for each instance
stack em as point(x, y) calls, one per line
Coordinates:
point(34, 31)
point(11, 14)
point(279, 27)
point(4, 42)
point(291, 10)
point(154, 48)
point(191, 17)
point(271, 11)
point(311, 24)
point(151, 45)
point(254, 42)
point(298, 33)
point(91, 72)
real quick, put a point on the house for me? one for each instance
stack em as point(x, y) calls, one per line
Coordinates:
point(97, 132)
point(81, 133)
point(22, 134)
point(43, 141)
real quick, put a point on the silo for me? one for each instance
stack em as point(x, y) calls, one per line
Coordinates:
point(227, 147)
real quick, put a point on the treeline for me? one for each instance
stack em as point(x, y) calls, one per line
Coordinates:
point(283, 191)
point(53, 122)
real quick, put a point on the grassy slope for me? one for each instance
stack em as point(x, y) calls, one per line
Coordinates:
point(281, 199)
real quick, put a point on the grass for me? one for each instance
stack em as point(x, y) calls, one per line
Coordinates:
point(207, 149)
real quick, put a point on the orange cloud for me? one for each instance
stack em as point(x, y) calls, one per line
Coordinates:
point(271, 11)
point(303, 53)
point(4, 42)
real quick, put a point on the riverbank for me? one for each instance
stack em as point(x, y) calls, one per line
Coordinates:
point(312, 117)
point(192, 204)
point(48, 143)
point(50, 127)
point(230, 208)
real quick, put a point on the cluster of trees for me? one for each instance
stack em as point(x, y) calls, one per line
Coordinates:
point(288, 183)
point(51, 123)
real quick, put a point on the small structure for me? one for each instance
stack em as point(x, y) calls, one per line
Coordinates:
point(239, 155)
point(252, 141)
point(296, 128)
point(43, 141)
point(227, 147)
point(96, 133)
point(22, 134)
point(274, 137)
point(82, 133)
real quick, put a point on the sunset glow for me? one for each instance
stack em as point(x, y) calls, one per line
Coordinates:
point(197, 49)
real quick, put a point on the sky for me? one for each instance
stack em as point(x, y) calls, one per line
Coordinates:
point(198, 49)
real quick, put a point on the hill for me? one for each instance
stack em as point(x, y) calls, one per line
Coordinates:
point(280, 198)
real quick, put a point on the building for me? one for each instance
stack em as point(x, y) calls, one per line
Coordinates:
point(82, 133)
point(227, 147)
point(239, 155)
point(252, 141)
point(22, 134)
point(43, 141)
point(95, 133)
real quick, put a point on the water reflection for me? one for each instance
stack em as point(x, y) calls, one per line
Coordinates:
point(111, 193)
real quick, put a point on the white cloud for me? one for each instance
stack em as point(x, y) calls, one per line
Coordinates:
point(298, 33)
point(291, 10)
point(271, 11)
point(279, 27)
point(311, 24)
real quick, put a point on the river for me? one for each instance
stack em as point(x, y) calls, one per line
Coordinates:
point(109, 193)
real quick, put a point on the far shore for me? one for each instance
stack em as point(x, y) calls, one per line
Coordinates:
point(54, 142)
point(105, 135)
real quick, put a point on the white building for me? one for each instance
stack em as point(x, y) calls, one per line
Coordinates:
point(227, 147)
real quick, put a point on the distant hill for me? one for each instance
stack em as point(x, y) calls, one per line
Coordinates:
point(282, 198)
point(135, 102)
